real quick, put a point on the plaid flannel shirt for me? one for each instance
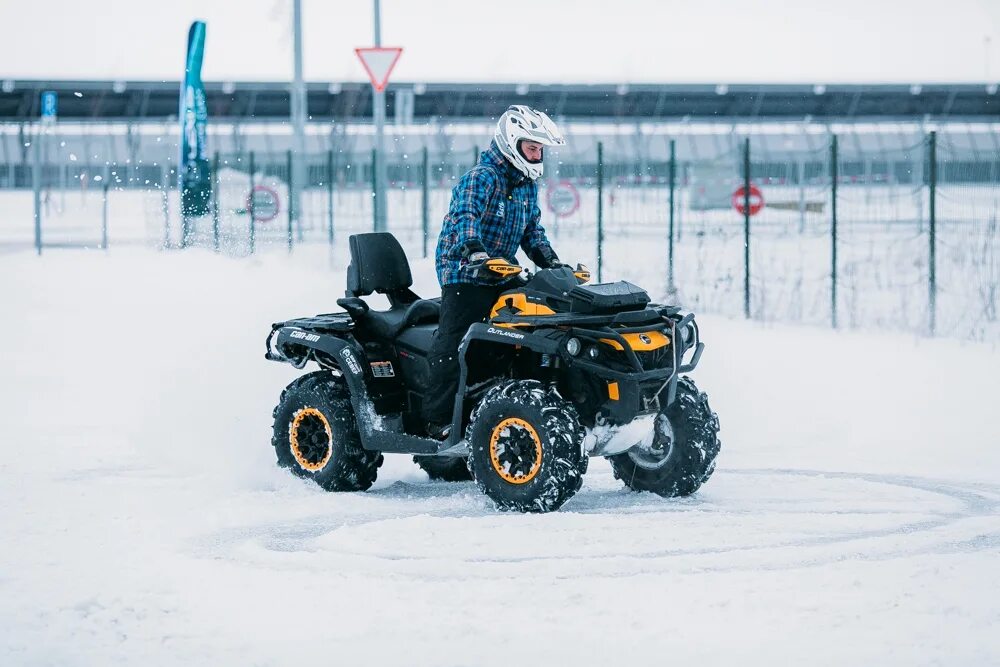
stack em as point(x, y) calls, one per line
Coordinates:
point(494, 208)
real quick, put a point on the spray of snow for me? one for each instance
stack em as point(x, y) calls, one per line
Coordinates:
point(605, 439)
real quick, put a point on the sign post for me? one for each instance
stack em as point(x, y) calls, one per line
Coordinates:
point(297, 180)
point(747, 211)
point(378, 63)
point(49, 104)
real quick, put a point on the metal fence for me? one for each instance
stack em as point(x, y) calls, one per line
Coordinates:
point(847, 227)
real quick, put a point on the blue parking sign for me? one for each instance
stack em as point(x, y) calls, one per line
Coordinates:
point(49, 105)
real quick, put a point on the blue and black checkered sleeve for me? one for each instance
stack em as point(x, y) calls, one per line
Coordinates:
point(534, 242)
point(471, 198)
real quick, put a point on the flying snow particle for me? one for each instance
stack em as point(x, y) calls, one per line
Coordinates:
point(72, 157)
point(78, 94)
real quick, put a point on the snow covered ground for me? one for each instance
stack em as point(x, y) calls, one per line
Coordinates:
point(854, 517)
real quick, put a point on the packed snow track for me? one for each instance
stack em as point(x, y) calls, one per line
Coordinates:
point(854, 516)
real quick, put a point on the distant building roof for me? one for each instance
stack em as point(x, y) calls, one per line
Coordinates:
point(347, 102)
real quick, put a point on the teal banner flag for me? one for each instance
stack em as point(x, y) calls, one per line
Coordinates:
point(195, 174)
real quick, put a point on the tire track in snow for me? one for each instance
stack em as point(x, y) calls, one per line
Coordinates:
point(964, 518)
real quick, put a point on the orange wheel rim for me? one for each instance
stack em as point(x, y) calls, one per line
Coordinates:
point(306, 436)
point(515, 451)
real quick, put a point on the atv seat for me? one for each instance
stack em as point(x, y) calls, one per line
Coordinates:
point(378, 264)
point(388, 324)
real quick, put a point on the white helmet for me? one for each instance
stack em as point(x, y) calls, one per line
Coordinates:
point(520, 123)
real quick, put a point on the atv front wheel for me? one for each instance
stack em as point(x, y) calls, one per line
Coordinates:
point(445, 468)
point(315, 435)
point(681, 456)
point(526, 447)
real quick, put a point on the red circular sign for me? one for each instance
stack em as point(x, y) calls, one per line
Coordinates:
point(756, 200)
point(563, 199)
point(266, 204)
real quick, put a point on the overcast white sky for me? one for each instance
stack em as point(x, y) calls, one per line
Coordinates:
point(548, 41)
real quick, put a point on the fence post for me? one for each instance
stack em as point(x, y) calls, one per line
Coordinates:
point(36, 186)
point(375, 225)
point(834, 176)
point(679, 210)
point(63, 185)
point(104, 219)
point(185, 223)
point(932, 220)
point(329, 195)
point(164, 189)
point(600, 208)
point(185, 220)
point(800, 174)
point(746, 228)
point(425, 204)
point(215, 201)
point(250, 206)
point(671, 289)
point(291, 200)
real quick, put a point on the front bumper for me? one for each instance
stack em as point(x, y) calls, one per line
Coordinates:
point(633, 390)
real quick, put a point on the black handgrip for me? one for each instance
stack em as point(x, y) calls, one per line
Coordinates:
point(355, 307)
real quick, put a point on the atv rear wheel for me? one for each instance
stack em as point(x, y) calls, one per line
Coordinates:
point(445, 468)
point(315, 435)
point(682, 454)
point(525, 442)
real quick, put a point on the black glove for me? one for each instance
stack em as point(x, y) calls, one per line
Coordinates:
point(471, 247)
point(544, 257)
point(491, 269)
point(476, 264)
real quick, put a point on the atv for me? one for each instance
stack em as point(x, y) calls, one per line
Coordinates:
point(559, 372)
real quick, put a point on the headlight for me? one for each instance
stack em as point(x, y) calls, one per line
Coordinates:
point(573, 346)
point(687, 334)
point(593, 352)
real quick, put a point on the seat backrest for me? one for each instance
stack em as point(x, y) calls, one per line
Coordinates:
point(378, 264)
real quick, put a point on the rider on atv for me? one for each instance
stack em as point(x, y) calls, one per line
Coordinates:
point(561, 371)
point(494, 210)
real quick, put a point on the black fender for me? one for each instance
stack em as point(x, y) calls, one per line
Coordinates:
point(342, 352)
point(485, 331)
point(377, 433)
point(284, 336)
point(537, 341)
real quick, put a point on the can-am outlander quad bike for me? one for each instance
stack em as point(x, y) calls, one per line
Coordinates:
point(560, 371)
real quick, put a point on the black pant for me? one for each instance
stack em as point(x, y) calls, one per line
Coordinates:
point(461, 307)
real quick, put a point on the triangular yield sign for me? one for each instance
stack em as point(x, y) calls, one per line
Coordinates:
point(378, 62)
